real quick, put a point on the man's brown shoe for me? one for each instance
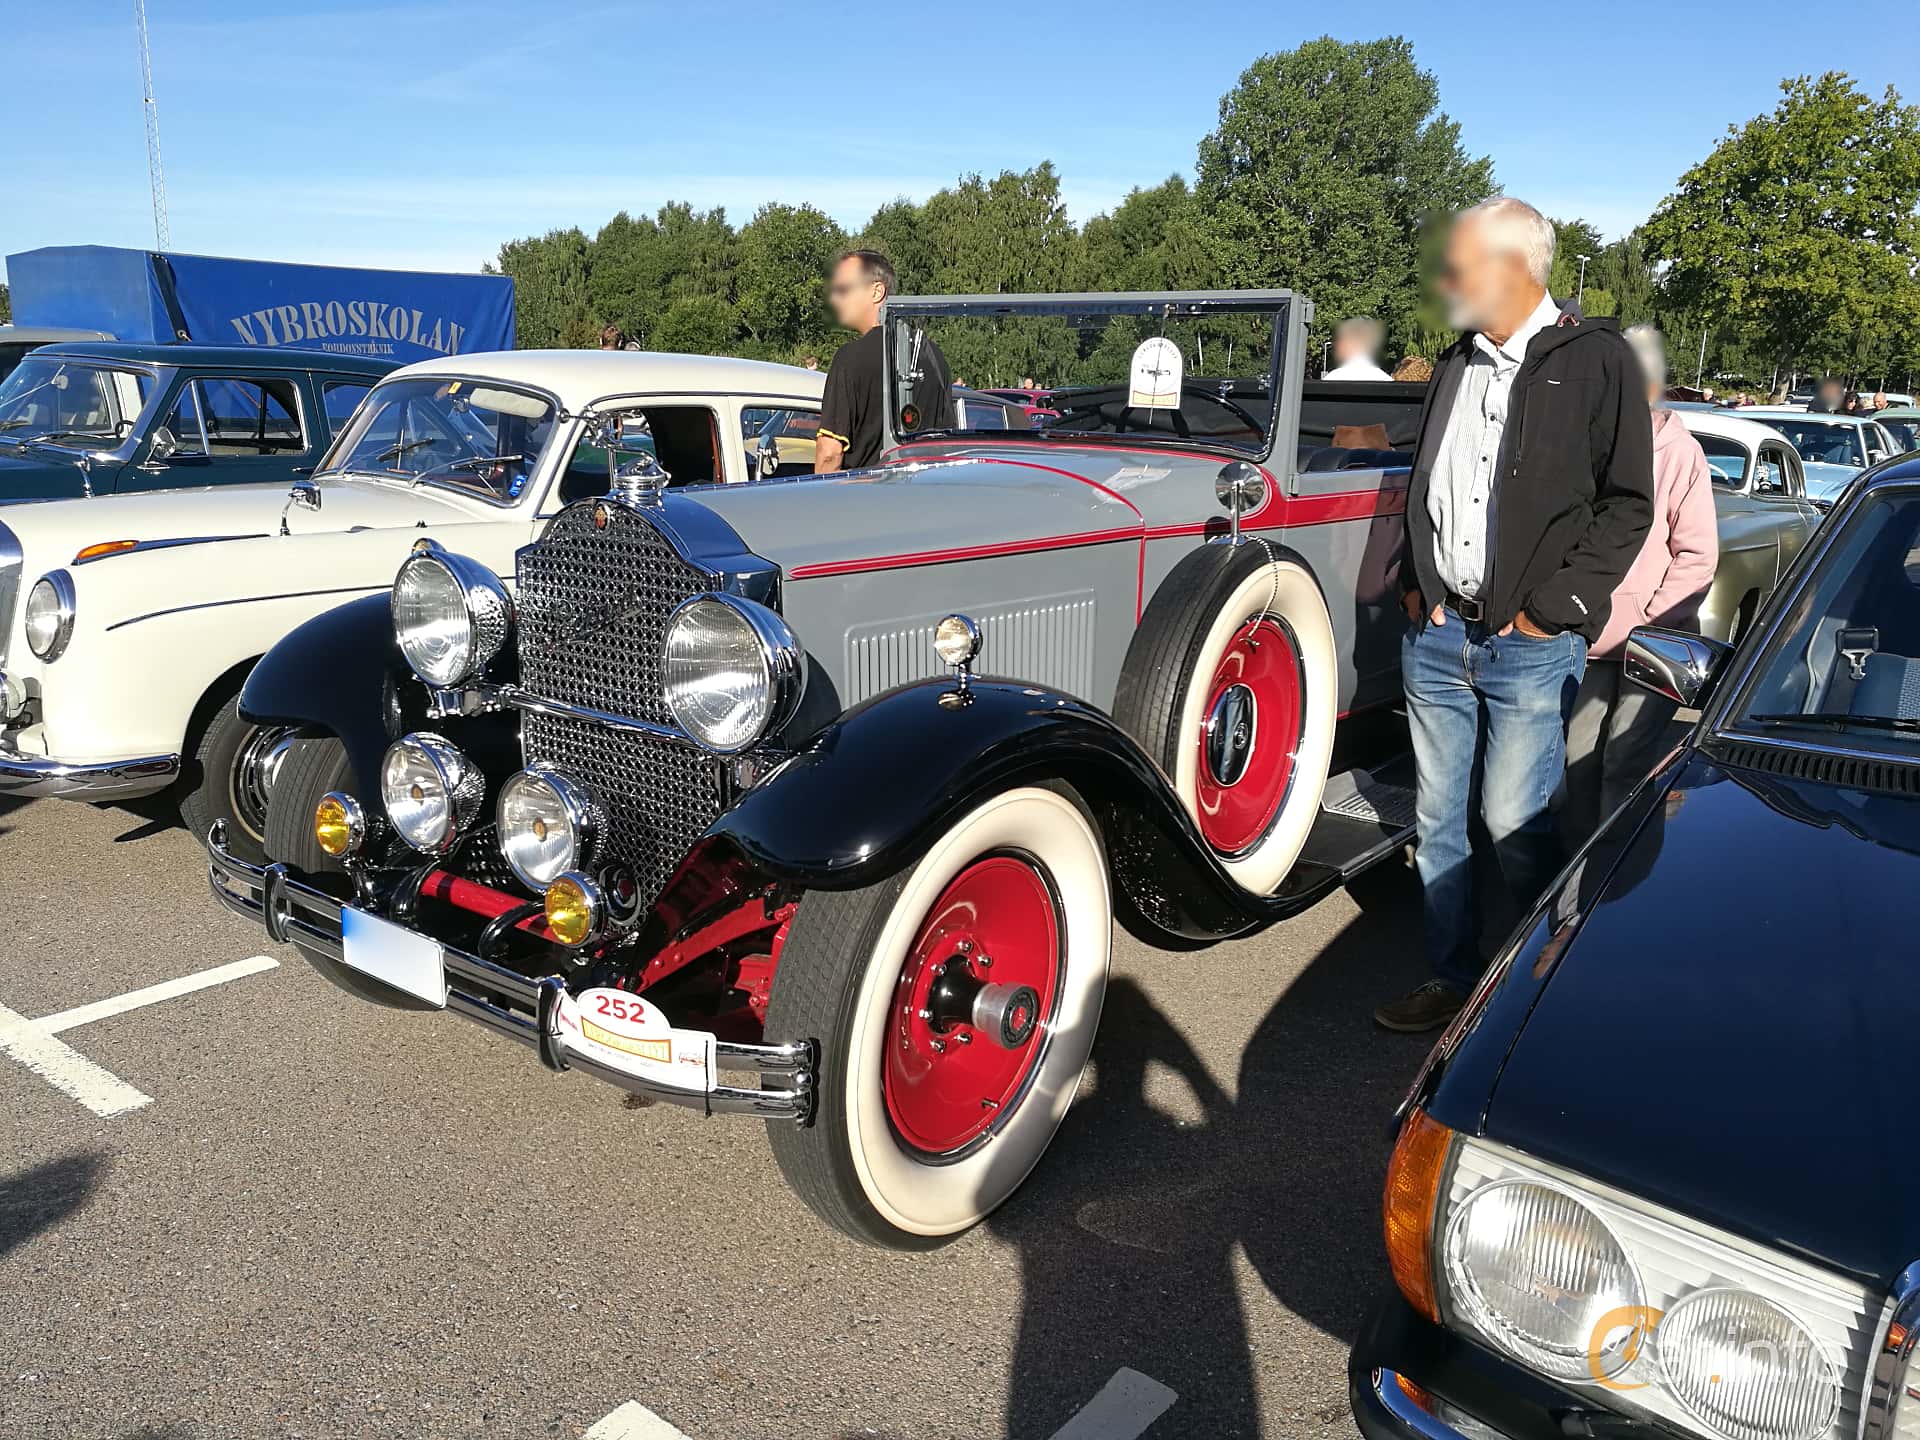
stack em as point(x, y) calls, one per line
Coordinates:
point(1426, 1008)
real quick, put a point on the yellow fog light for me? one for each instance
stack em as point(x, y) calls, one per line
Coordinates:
point(339, 825)
point(574, 909)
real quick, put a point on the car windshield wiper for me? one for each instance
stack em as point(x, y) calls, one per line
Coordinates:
point(471, 462)
point(401, 447)
point(1904, 723)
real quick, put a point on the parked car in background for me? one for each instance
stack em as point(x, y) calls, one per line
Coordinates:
point(1723, 1243)
point(1835, 448)
point(1765, 517)
point(979, 410)
point(1036, 405)
point(1902, 424)
point(784, 443)
point(129, 622)
point(104, 418)
point(701, 800)
point(19, 341)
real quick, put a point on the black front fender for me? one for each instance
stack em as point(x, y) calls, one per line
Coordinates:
point(868, 795)
point(336, 673)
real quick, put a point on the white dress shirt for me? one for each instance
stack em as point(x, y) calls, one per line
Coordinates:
point(1460, 494)
point(1361, 369)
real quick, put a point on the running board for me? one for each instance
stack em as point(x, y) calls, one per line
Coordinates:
point(1366, 816)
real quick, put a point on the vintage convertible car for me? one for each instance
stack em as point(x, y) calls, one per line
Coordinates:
point(128, 622)
point(1650, 1181)
point(699, 798)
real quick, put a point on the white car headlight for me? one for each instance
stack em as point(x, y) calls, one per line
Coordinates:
point(1537, 1272)
point(546, 825)
point(734, 672)
point(1747, 1367)
point(431, 791)
point(1710, 1334)
point(451, 615)
point(48, 617)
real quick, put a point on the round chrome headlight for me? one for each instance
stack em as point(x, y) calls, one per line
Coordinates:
point(733, 671)
point(49, 615)
point(1747, 1367)
point(450, 615)
point(546, 825)
point(432, 792)
point(1541, 1276)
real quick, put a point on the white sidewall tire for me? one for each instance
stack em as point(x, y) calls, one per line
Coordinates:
point(1286, 590)
point(935, 1199)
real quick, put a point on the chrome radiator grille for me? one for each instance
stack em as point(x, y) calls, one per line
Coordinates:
point(593, 606)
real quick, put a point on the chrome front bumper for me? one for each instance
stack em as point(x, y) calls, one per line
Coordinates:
point(31, 776)
point(517, 1006)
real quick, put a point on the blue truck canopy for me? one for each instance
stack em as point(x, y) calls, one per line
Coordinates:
point(400, 315)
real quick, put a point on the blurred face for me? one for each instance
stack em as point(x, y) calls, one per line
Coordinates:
point(1832, 394)
point(855, 298)
point(1483, 284)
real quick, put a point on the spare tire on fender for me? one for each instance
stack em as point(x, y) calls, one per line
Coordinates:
point(1230, 684)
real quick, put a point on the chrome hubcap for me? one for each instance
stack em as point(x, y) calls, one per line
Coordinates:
point(255, 768)
point(1230, 735)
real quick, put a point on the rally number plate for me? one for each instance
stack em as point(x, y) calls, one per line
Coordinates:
point(395, 956)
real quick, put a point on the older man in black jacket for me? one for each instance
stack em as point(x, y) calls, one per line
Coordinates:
point(1531, 494)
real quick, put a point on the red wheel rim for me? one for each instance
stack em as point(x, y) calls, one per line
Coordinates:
point(948, 1083)
point(1249, 735)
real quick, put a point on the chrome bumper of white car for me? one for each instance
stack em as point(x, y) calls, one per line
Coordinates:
point(30, 776)
point(518, 1006)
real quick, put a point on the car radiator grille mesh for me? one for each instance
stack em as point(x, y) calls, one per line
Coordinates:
point(594, 601)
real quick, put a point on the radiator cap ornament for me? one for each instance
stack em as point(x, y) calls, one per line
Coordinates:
point(641, 481)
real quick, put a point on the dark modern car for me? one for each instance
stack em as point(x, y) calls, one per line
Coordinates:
point(1652, 1181)
point(104, 417)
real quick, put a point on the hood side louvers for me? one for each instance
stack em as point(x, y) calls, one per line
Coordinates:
point(1894, 777)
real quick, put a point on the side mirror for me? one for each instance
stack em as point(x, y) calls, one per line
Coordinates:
point(766, 461)
point(1240, 488)
point(1674, 663)
point(164, 446)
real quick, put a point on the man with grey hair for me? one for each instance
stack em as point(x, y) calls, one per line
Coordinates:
point(1356, 343)
point(1531, 492)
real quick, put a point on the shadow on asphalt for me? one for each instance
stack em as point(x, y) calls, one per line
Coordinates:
point(1128, 1230)
point(34, 1199)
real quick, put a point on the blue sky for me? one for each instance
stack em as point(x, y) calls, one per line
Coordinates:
point(418, 133)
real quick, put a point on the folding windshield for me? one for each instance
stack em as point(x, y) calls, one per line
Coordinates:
point(1195, 368)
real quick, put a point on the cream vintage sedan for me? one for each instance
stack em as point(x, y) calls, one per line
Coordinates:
point(129, 623)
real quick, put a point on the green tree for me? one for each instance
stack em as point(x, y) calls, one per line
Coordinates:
point(1623, 270)
point(1798, 234)
point(549, 289)
point(896, 232)
point(697, 325)
point(1324, 167)
point(1007, 235)
point(1571, 240)
point(6, 305)
point(780, 281)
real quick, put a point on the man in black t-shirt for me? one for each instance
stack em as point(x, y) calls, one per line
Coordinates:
point(853, 422)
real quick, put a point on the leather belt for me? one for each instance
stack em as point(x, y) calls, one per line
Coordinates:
point(1472, 611)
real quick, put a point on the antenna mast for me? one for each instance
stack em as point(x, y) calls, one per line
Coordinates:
point(155, 180)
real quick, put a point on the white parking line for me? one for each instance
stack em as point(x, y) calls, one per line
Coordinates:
point(634, 1421)
point(152, 994)
point(65, 1068)
point(32, 1042)
point(1126, 1405)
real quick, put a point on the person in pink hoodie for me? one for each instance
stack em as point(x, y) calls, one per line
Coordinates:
point(1613, 739)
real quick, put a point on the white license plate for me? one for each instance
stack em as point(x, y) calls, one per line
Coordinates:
point(388, 953)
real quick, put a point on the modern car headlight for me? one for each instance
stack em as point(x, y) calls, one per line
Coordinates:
point(1642, 1308)
point(1537, 1272)
point(546, 825)
point(432, 792)
point(451, 615)
point(48, 616)
point(734, 672)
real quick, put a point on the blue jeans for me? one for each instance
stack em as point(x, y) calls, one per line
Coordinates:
point(1505, 700)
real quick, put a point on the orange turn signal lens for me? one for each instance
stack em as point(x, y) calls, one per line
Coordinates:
point(104, 547)
point(1413, 1192)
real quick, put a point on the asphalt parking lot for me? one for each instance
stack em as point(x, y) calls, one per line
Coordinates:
point(259, 1208)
